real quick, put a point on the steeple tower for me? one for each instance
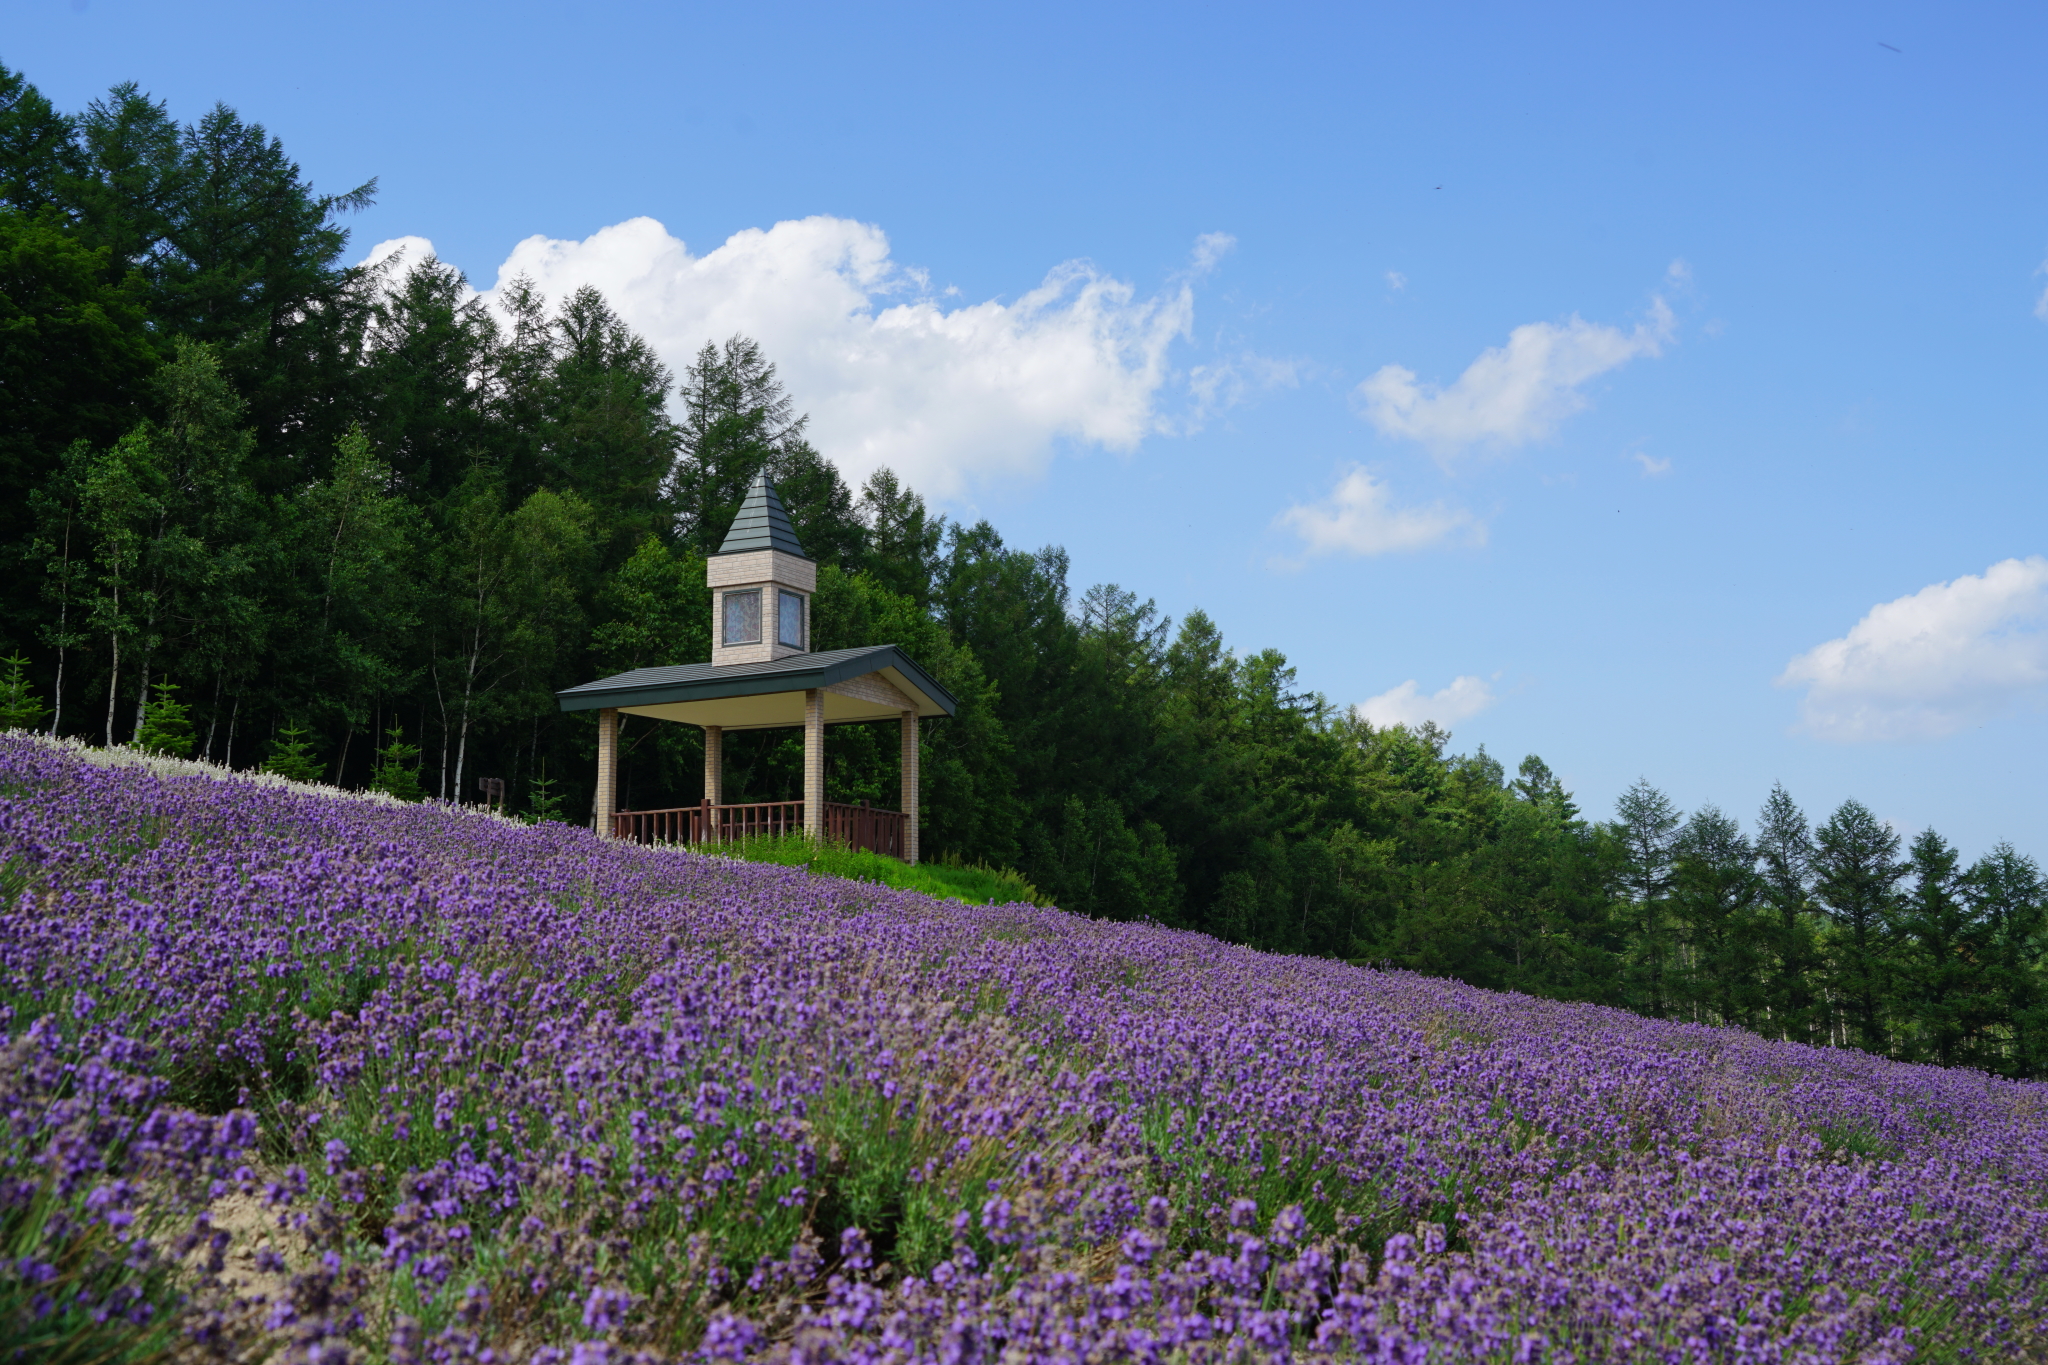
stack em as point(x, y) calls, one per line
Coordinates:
point(761, 584)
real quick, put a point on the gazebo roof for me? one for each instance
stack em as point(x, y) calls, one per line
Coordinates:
point(767, 695)
point(762, 524)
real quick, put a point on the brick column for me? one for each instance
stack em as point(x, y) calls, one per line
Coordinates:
point(910, 786)
point(714, 764)
point(814, 762)
point(607, 769)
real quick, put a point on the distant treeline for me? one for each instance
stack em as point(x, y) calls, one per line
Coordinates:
point(263, 507)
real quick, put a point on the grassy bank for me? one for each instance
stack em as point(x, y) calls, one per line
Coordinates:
point(972, 884)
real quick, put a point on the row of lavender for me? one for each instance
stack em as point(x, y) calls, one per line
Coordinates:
point(509, 1090)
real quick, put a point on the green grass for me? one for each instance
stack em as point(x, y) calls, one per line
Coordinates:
point(972, 883)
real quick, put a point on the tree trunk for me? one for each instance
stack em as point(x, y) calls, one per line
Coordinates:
point(441, 703)
point(142, 692)
point(63, 633)
point(114, 678)
point(213, 724)
point(462, 750)
point(57, 716)
point(471, 667)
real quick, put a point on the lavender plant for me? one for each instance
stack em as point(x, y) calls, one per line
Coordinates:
point(301, 1077)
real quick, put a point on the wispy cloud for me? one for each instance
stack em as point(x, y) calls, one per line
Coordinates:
point(1515, 393)
point(1653, 469)
point(1396, 280)
point(1929, 664)
point(1409, 705)
point(1222, 384)
point(1210, 248)
point(1359, 517)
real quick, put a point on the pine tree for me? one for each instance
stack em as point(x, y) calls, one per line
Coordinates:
point(74, 354)
point(1857, 871)
point(126, 197)
point(1646, 826)
point(20, 707)
point(1939, 971)
point(543, 802)
point(166, 725)
point(2010, 899)
point(38, 151)
point(291, 755)
point(1539, 786)
point(1715, 890)
point(254, 268)
point(397, 771)
point(432, 345)
point(607, 433)
point(737, 421)
point(1784, 850)
point(901, 540)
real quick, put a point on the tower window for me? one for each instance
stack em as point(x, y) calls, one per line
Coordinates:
point(789, 619)
point(742, 617)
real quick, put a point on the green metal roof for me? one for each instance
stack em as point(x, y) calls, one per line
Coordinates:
point(798, 672)
point(762, 524)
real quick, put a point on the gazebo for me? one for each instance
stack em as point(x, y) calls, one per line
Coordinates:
point(763, 676)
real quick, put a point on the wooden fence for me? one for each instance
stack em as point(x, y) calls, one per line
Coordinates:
point(862, 826)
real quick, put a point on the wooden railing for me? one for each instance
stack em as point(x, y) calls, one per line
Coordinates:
point(868, 827)
point(706, 823)
point(865, 826)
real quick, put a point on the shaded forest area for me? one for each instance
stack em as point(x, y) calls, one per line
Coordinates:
point(351, 524)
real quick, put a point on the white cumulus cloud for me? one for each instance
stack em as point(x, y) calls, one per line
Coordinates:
point(1926, 665)
point(890, 375)
point(1408, 705)
point(1515, 393)
point(410, 251)
point(1359, 517)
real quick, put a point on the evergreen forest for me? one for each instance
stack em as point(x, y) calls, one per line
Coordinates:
point(352, 525)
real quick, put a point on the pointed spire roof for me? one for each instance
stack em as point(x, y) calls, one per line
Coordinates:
point(762, 524)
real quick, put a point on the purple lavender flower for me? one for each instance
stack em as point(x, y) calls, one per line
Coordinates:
point(527, 1095)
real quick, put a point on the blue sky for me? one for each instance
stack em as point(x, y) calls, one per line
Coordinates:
point(1657, 389)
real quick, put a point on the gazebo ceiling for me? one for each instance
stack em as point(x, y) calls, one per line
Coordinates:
point(876, 682)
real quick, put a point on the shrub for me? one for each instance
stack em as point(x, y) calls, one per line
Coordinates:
point(20, 707)
point(397, 771)
point(166, 724)
point(291, 755)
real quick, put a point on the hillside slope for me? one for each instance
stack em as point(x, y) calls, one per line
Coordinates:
point(308, 1072)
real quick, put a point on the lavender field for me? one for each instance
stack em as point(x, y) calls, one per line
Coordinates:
point(302, 1077)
